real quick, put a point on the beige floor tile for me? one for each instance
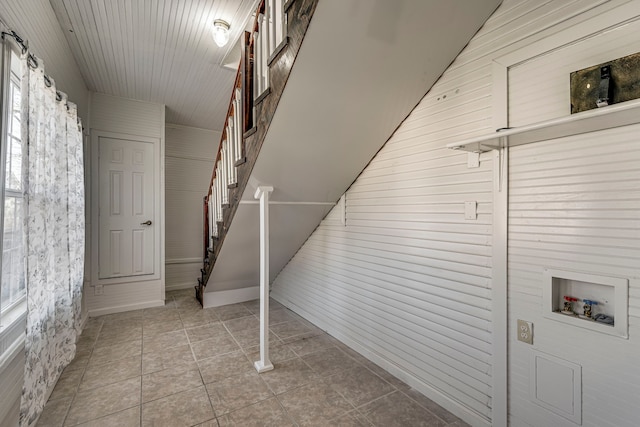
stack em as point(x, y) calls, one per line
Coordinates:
point(92, 331)
point(251, 338)
point(237, 392)
point(360, 385)
point(67, 384)
point(215, 346)
point(277, 353)
point(191, 318)
point(279, 315)
point(94, 322)
point(184, 302)
point(86, 343)
point(188, 292)
point(253, 306)
point(109, 373)
point(80, 361)
point(169, 358)
point(396, 409)
point(431, 406)
point(267, 413)
point(289, 329)
point(232, 311)
point(99, 402)
point(309, 345)
point(164, 341)
point(128, 316)
point(397, 383)
point(117, 351)
point(182, 409)
point(54, 413)
point(210, 423)
point(154, 327)
point(205, 332)
point(353, 419)
point(329, 361)
point(227, 365)
point(287, 375)
point(112, 334)
point(306, 335)
point(170, 381)
point(314, 404)
point(127, 418)
point(242, 323)
point(166, 312)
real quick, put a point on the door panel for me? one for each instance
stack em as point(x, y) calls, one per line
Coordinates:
point(126, 243)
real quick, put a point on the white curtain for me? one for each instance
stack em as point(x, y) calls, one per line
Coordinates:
point(54, 236)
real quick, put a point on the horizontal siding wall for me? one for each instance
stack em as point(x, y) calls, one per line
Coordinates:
point(574, 205)
point(407, 281)
point(190, 153)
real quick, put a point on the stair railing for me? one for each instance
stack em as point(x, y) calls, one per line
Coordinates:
point(260, 46)
point(268, 32)
point(268, 25)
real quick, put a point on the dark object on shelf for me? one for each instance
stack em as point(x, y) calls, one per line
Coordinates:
point(605, 84)
point(603, 318)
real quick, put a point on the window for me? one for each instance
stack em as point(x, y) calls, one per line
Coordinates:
point(12, 281)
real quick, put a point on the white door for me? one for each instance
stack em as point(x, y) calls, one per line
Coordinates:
point(126, 210)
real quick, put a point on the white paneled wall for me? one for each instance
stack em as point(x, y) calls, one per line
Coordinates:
point(189, 160)
point(407, 282)
point(573, 205)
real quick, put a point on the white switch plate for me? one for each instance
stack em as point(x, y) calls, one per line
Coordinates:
point(98, 290)
point(473, 160)
point(471, 210)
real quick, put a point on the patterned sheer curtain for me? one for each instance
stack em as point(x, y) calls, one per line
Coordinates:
point(54, 235)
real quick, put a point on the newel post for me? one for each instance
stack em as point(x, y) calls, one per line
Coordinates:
point(264, 364)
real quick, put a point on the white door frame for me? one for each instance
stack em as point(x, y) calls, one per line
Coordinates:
point(158, 218)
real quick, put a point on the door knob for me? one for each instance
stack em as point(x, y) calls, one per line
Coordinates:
point(147, 222)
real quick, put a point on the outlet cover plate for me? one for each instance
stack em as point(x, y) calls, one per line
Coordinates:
point(525, 331)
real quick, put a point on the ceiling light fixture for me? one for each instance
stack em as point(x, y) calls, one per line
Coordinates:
point(220, 32)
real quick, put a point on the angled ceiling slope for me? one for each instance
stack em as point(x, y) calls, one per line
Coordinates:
point(363, 66)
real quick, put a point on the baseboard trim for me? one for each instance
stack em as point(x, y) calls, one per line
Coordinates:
point(441, 399)
point(233, 296)
point(123, 308)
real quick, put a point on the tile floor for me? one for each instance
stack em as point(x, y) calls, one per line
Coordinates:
point(180, 365)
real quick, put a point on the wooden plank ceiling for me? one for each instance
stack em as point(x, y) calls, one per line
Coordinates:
point(157, 51)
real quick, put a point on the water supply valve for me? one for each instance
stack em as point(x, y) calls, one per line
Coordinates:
point(568, 304)
point(587, 307)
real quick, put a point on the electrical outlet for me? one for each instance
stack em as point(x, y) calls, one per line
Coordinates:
point(98, 290)
point(525, 331)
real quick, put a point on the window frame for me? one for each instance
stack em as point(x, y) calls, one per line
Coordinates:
point(12, 317)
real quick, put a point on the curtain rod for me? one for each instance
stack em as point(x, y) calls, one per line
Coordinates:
point(25, 48)
point(31, 59)
point(33, 62)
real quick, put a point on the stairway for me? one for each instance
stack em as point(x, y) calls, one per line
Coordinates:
point(315, 108)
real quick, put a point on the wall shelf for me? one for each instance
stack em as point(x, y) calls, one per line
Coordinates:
point(623, 114)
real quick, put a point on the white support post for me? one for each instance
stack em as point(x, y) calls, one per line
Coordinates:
point(264, 364)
